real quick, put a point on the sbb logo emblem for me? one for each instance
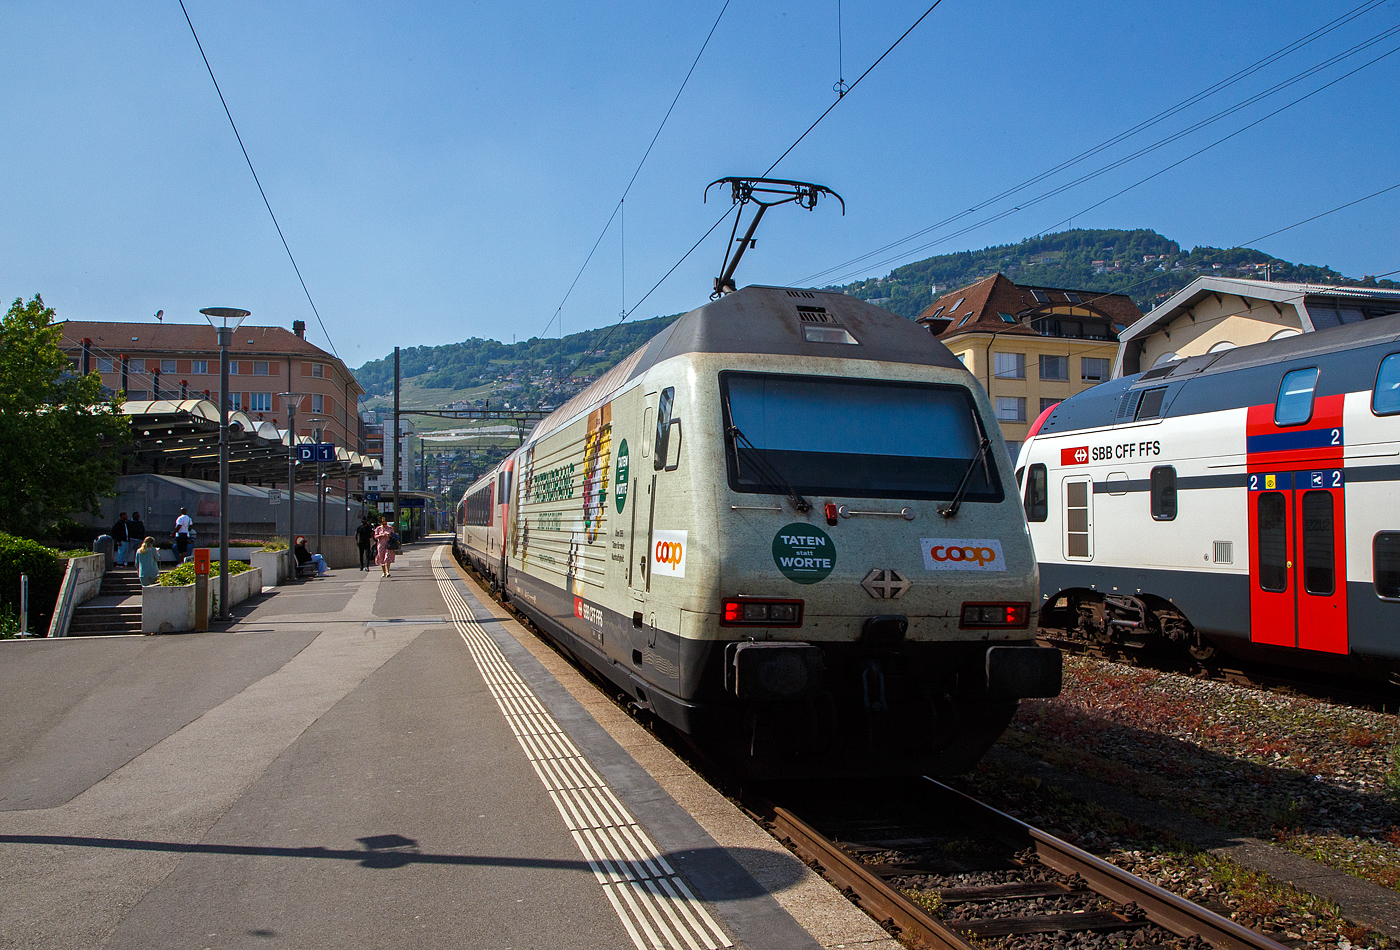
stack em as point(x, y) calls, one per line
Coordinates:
point(962, 554)
point(668, 553)
point(1076, 456)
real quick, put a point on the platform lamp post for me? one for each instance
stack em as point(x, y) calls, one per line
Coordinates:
point(291, 400)
point(317, 434)
point(228, 320)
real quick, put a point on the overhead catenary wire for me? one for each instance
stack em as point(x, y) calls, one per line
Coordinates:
point(637, 171)
point(720, 220)
point(258, 182)
point(1156, 119)
point(1060, 189)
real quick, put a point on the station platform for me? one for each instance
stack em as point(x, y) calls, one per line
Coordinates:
point(371, 762)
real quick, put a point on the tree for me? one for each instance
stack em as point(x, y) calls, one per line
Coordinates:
point(61, 437)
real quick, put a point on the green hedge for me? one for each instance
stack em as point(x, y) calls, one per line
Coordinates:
point(45, 568)
point(184, 574)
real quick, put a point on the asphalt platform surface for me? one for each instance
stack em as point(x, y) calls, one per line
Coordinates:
point(334, 770)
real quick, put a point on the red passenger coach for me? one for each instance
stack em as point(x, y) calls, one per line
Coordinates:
point(1239, 502)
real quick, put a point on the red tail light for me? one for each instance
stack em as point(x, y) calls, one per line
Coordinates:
point(831, 513)
point(1010, 616)
point(761, 612)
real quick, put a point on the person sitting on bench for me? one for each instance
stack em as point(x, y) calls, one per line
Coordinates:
point(305, 558)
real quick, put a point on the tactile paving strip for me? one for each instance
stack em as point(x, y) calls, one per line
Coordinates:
point(654, 903)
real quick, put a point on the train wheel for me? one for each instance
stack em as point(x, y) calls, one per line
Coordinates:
point(1201, 651)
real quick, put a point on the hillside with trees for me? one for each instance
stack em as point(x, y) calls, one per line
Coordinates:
point(1142, 264)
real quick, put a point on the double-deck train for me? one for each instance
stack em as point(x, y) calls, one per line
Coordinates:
point(785, 527)
point(1244, 503)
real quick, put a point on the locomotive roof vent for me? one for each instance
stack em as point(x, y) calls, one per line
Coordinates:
point(802, 293)
point(815, 315)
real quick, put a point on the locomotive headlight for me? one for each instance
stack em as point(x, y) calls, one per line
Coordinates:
point(996, 615)
point(756, 612)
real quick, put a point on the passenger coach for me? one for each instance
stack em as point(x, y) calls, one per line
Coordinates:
point(1243, 502)
point(784, 526)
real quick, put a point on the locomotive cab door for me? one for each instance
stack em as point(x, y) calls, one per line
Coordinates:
point(1297, 561)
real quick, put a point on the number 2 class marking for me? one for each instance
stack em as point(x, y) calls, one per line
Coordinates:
point(1336, 436)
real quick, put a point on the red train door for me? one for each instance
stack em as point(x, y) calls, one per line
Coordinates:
point(1297, 520)
point(1297, 561)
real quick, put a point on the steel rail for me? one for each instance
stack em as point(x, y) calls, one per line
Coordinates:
point(873, 895)
point(1177, 914)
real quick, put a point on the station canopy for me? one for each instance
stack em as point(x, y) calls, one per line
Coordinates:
point(181, 437)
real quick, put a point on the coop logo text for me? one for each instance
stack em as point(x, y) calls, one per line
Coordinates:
point(963, 554)
point(668, 553)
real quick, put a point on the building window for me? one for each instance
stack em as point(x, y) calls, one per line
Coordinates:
point(233, 367)
point(235, 400)
point(1006, 317)
point(199, 367)
point(104, 364)
point(260, 402)
point(1054, 367)
point(318, 402)
point(1011, 408)
point(1009, 365)
point(1046, 402)
point(1163, 493)
point(962, 358)
point(318, 370)
point(260, 368)
point(1093, 369)
point(1295, 397)
point(958, 304)
point(167, 366)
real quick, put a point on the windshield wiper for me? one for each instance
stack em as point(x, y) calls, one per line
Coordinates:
point(956, 503)
point(768, 471)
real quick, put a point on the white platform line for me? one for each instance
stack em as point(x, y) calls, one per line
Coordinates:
point(656, 907)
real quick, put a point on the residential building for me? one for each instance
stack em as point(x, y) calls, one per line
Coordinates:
point(1217, 313)
point(1030, 347)
point(376, 446)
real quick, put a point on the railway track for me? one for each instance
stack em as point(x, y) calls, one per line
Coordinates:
point(942, 870)
point(921, 837)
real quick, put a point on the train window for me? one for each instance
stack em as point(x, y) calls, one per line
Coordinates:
point(1319, 554)
point(1385, 398)
point(1037, 494)
point(663, 426)
point(1077, 520)
point(1151, 405)
point(1273, 541)
point(1385, 558)
point(1164, 493)
point(1295, 397)
point(1020, 476)
point(855, 437)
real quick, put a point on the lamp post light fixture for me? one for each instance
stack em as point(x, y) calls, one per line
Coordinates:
point(292, 400)
point(228, 320)
point(318, 434)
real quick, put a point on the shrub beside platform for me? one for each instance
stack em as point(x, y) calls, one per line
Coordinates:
point(171, 609)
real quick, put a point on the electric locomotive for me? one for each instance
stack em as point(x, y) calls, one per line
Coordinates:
point(1240, 502)
point(785, 526)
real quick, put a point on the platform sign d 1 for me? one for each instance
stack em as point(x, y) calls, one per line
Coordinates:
point(201, 561)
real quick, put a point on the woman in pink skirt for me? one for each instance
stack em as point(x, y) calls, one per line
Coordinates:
point(383, 556)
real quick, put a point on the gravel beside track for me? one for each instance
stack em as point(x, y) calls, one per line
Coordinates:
point(1316, 779)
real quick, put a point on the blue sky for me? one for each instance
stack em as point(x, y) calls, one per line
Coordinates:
point(441, 170)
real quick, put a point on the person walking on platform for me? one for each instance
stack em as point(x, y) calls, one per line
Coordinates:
point(364, 538)
point(183, 527)
point(383, 536)
point(148, 562)
point(135, 529)
point(121, 539)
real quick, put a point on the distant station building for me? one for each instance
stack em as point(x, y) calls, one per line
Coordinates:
point(177, 361)
point(1217, 313)
point(1030, 346)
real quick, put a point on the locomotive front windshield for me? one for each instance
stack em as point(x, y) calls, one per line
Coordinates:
point(853, 438)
